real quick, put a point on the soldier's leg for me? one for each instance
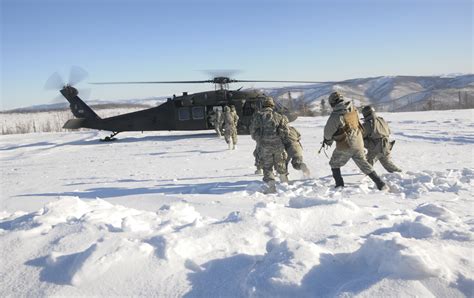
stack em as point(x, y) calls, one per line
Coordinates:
point(338, 159)
point(258, 163)
point(366, 168)
point(336, 174)
point(287, 162)
point(226, 136)
point(297, 162)
point(279, 159)
point(234, 138)
point(359, 159)
point(267, 163)
point(371, 157)
point(228, 139)
point(217, 129)
point(387, 163)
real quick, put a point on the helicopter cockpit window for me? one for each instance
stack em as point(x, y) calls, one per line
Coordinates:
point(198, 113)
point(183, 114)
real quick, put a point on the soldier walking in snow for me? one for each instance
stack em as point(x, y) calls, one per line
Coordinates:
point(268, 126)
point(230, 127)
point(343, 126)
point(218, 121)
point(292, 142)
point(376, 134)
point(257, 151)
point(256, 154)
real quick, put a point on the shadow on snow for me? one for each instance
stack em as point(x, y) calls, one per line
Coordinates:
point(110, 192)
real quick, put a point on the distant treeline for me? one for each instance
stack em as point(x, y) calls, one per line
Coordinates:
point(52, 120)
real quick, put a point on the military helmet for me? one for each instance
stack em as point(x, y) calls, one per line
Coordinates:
point(226, 109)
point(268, 102)
point(368, 111)
point(335, 98)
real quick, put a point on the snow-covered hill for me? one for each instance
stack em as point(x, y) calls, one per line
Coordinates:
point(176, 214)
point(395, 93)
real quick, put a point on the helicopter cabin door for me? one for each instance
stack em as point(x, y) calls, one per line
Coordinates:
point(191, 118)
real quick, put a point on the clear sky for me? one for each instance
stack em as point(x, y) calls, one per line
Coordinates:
point(120, 40)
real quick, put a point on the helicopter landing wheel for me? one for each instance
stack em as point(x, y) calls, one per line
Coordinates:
point(111, 137)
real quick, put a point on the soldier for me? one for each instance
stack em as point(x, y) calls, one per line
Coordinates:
point(268, 126)
point(256, 137)
point(230, 127)
point(294, 150)
point(256, 154)
point(218, 121)
point(376, 134)
point(343, 126)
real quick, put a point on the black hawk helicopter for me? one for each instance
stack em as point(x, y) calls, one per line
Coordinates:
point(183, 112)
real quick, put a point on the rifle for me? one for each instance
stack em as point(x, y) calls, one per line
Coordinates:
point(322, 147)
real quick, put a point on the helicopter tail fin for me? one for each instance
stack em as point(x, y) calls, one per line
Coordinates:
point(78, 107)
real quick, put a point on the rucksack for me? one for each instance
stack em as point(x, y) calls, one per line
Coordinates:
point(270, 122)
point(380, 128)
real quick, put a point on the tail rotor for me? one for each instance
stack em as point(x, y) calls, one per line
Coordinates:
point(76, 76)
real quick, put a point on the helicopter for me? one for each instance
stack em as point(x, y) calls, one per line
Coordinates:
point(184, 112)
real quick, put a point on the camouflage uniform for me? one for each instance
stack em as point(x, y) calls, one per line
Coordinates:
point(268, 126)
point(218, 122)
point(294, 150)
point(343, 126)
point(258, 147)
point(257, 152)
point(376, 134)
point(230, 127)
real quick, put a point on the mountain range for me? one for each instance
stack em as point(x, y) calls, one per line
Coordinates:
point(390, 93)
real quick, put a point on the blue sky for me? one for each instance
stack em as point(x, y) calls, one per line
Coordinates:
point(176, 40)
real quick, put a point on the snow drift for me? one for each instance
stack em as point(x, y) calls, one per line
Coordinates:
point(171, 215)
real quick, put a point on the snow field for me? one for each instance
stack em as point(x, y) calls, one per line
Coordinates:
point(112, 226)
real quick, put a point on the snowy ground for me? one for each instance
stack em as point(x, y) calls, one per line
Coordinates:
point(176, 214)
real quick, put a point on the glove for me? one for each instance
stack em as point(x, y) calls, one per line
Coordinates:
point(327, 142)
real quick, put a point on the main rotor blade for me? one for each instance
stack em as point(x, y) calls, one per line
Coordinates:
point(77, 75)
point(271, 81)
point(54, 82)
point(154, 82)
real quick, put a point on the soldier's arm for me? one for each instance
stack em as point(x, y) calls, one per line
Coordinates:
point(366, 130)
point(253, 128)
point(333, 124)
point(283, 129)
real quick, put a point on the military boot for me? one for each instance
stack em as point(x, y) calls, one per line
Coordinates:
point(378, 182)
point(336, 174)
point(271, 187)
point(259, 171)
point(231, 146)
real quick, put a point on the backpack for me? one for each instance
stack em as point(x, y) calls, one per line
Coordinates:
point(380, 128)
point(270, 122)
